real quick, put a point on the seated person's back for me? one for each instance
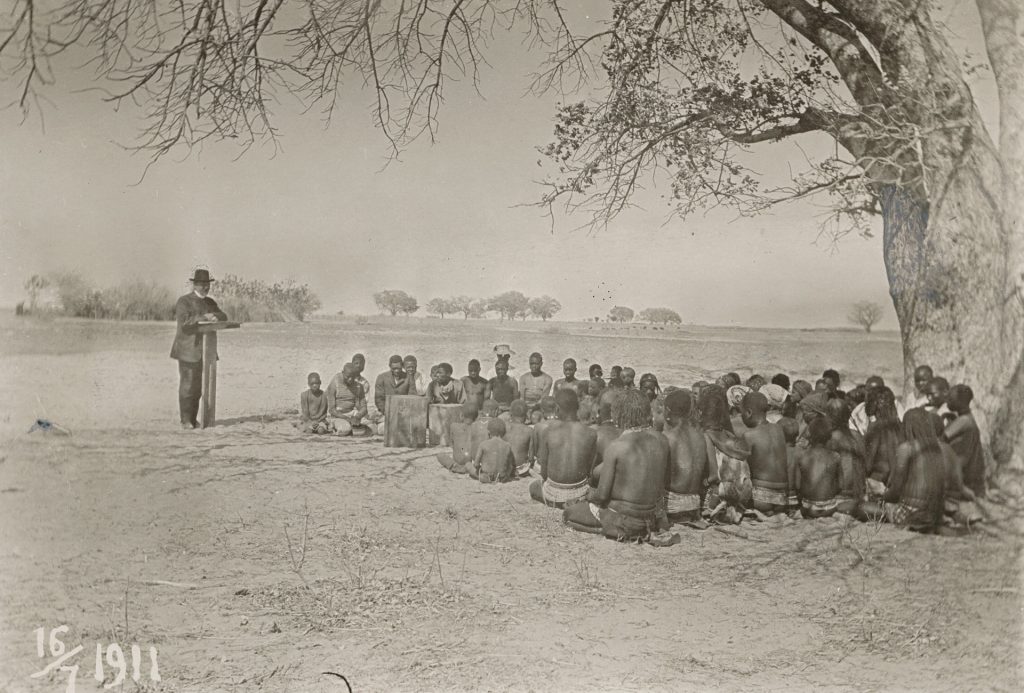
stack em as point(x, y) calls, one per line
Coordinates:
point(494, 460)
point(690, 469)
point(818, 472)
point(769, 472)
point(518, 435)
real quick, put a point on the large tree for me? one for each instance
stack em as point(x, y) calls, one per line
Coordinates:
point(441, 307)
point(395, 301)
point(693, 86)
point(679, 92)
point(544, 307)
point(509, 305)
point(662, 315)
point(621, 314)
point(462, 304)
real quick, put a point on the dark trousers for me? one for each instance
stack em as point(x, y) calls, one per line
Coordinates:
point(190, 389)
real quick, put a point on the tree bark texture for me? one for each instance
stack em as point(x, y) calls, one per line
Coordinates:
point(950, 262)
point(951, 235)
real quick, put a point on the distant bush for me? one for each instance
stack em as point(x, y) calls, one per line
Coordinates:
point(256, 301)
point(132, 299)
point(137, 299)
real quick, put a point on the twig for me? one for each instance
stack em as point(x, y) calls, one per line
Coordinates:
point(739, 534)
point(997, 590)
point(437, 558)
point(168, 583)
point(297, 565)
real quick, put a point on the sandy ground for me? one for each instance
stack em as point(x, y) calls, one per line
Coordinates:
point(253, 558)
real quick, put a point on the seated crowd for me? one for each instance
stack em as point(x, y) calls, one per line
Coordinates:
point(629, 459)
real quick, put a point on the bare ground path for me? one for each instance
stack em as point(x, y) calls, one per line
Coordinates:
point(256, 559)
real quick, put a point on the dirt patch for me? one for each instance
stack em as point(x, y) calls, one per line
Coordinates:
point(256, 559)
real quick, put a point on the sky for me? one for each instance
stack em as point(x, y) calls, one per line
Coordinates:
point(449, 218)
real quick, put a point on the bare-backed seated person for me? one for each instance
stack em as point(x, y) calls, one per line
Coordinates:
point(460, 459)
point(634, 475)
point(692, 471)
point(818, 472)
point(494, 461)
point(548, 411)
point(565, 455)
point(607, 431)
point(914, 496)
point(478, 431)
point(729, 454)
point(769, 472)
point(518, 435)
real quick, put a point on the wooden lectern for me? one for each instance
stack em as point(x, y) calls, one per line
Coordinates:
point(209, 331)
point(439, 423)
point(405, 421)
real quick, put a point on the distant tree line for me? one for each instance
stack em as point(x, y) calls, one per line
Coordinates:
point(663, 316)
point(507, 306)
point(510, 305)
point(243, 300)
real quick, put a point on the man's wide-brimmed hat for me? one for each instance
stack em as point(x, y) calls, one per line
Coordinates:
point(503, 350)
point(202, 275)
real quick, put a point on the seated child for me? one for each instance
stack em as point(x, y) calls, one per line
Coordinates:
point(478, 430)
point(818, 472)
point(313, 408)
point(494, 460)
point(518, 435)
point(460, 459)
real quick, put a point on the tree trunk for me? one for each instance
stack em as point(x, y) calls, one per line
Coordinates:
point(950, 263)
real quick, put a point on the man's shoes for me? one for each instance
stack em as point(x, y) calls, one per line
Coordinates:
point(186, 426)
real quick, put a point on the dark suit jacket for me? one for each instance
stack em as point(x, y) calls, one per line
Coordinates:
point(188, 343)
point(384, 386)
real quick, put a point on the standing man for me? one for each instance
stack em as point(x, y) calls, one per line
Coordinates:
point(189, 311)
point(536, 383)
point(503, 352)
point(570, 382)
point(502, 388)
point(474, 385)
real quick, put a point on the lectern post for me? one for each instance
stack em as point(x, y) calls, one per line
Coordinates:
point(209, 402)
